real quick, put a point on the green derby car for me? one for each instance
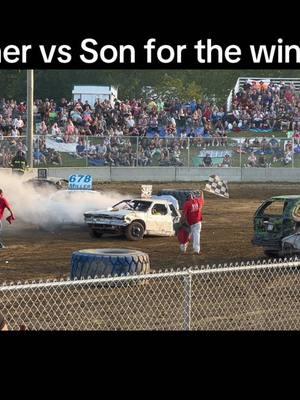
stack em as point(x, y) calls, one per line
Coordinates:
point(275, 219)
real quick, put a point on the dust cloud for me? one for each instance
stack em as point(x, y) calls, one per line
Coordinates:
point(49, 208)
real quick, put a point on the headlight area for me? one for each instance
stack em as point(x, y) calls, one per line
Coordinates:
point(105, 221)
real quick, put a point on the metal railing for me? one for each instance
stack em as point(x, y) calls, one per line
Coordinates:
point(262, 296)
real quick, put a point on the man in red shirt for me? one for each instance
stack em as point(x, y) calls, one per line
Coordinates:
point(3, 205)
point(192, 210)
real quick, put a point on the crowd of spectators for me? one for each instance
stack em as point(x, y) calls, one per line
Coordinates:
point(263, 105)
point(124, 151)
point(265, 152)
point(163, 128)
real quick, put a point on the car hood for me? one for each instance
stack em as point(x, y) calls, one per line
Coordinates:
point(112, 213)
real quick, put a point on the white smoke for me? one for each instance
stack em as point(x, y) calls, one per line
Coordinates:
point(48, 208)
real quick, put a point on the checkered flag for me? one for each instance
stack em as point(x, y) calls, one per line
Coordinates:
point(146, 191)
point(217, 186)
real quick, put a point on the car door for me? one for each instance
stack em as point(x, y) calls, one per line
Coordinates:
point(159, 221)
point(269, 220)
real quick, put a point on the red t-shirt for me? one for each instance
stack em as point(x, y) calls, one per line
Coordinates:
point(193, 210)
point(3, 205)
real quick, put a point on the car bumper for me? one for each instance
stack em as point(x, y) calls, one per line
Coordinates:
point(270, 244)
point(106, 223)
point(106, 228)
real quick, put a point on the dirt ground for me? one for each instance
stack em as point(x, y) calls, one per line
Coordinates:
point(227, 231)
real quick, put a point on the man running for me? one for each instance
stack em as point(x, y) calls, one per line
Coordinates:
point(192, 210)
point(3, 205)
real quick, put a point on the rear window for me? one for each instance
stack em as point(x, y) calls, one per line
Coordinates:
point(173, 211)
point(276, 208)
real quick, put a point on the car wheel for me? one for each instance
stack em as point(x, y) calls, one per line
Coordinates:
point(271, 253)
point(288, 250)
point(135, 231)
point(95, 234)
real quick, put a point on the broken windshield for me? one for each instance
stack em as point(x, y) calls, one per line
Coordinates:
point(136, 205)
point(275, 208)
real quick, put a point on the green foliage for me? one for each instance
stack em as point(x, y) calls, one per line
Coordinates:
point(185, 84)
point(178, 87)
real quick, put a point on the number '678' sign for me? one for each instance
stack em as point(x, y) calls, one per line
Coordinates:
point(82, 182)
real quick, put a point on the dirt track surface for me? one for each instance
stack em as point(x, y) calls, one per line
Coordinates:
point(226, 236)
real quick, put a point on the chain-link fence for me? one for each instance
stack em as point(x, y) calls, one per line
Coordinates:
point(228, 297)
point(133, 151)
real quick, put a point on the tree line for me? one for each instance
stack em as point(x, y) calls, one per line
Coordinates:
point(185, 84)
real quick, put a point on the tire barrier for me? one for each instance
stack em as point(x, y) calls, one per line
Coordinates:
point(93, 263)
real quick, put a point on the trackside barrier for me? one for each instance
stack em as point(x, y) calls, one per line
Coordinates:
point(180, 174)
point(244, 296)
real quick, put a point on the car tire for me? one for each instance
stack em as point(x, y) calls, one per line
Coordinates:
point(272, 253)
point(95, 234)
point(108, 262)
point(135, 231)
point(288, 250)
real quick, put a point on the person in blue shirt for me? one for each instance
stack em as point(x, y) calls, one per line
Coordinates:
point(193, 105)
point(39, 157)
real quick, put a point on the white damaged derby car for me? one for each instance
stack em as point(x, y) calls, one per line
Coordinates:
point(134, 219)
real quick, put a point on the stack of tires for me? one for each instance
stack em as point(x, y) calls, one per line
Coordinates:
point(108, 262)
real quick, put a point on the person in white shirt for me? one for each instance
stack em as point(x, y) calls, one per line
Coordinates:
point(252, 161)
point(130, 122)
point(20, 123)
point(15, 132)
point(288, 158)
point(172, 121)
point(55, 130)
point(101, 149)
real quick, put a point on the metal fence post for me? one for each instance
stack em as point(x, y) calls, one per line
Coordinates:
point(137, 151)
point(86, 153)
point(187, 301)
point(293, 152)
point(241, 154)
point(189, 145)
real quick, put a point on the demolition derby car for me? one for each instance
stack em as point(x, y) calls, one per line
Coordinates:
point(47, 183)
point(277, 225)
point(134, 219)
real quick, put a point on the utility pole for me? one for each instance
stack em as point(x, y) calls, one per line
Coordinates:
point(30, 89)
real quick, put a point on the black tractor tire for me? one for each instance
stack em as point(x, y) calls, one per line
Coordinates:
point(181, 195)
point(135, 231)
point(93, 263)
